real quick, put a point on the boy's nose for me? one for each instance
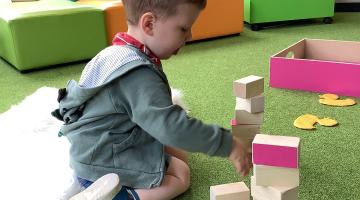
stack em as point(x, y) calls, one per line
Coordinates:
point(188, 36)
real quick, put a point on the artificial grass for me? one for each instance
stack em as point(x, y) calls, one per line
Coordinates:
point(329, 163)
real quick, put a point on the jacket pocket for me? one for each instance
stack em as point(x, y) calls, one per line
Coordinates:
point(139, 152)
point(128, 142)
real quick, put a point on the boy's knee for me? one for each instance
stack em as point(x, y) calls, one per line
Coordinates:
point(186, 177)
point(181, 171)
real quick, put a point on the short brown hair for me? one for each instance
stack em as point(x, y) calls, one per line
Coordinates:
point(162, 8)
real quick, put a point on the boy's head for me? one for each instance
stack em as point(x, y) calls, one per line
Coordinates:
point(162, 25)
point(161, 8)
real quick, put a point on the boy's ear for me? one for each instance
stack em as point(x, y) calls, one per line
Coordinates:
point(147, 22)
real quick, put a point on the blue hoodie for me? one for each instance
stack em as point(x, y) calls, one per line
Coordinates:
point(121, 123)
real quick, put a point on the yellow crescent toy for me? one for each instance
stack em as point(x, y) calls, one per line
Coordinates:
point(333, 100)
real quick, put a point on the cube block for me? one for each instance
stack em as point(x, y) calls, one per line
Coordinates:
point(246, 133)
point(248, 87)
point(244, 117)
point(273, 192)
point(251, 105)
point(278, 151)
point(276, 176)
point(231, 191)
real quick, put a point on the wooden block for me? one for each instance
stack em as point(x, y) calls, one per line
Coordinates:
point(277, 151)
point(251, 105)
point(244, 117)
point(248, 87)
point(273, 192)
point(246, 133)
point(276, 176)
point(231, 191)
point(233, 122)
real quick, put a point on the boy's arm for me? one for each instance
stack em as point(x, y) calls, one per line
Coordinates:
point(146, 98)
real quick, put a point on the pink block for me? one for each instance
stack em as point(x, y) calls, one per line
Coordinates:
point(275, 156)
point(233, 122)
point(277, 151)
point(323, 66)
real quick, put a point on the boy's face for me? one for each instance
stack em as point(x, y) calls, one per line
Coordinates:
point(171, 33)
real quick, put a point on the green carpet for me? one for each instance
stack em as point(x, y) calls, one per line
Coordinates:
point(329, 163)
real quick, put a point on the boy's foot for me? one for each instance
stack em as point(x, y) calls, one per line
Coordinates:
point(105, 188)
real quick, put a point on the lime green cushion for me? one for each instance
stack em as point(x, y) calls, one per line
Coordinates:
point(43, 33)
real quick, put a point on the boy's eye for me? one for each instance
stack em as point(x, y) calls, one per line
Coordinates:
point(184, 29)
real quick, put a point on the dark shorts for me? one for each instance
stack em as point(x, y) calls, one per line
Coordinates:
point(125, 191)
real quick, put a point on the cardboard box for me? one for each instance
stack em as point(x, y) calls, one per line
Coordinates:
point(324, 66)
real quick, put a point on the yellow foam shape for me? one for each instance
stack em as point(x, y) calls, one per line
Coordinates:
point(329, 96)
point(334, 102)
point(327, 122)
point(306, 121)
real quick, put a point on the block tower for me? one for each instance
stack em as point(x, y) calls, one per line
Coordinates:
point(245, 125)
point(276, 167)
point(249, 108)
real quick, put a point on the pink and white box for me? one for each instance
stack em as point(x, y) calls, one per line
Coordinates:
point(277, 151)
point(324, 66)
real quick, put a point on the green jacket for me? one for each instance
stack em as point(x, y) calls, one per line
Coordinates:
point(122, 125)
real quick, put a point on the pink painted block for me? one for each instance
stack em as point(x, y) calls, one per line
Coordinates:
point(324, 66)
point(233, 122)
point(277, 151)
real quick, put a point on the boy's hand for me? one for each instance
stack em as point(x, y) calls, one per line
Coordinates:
point(240, 157)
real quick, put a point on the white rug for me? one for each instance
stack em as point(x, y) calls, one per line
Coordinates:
point(34, 160)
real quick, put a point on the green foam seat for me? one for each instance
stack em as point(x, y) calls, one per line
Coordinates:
point(44, 33)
